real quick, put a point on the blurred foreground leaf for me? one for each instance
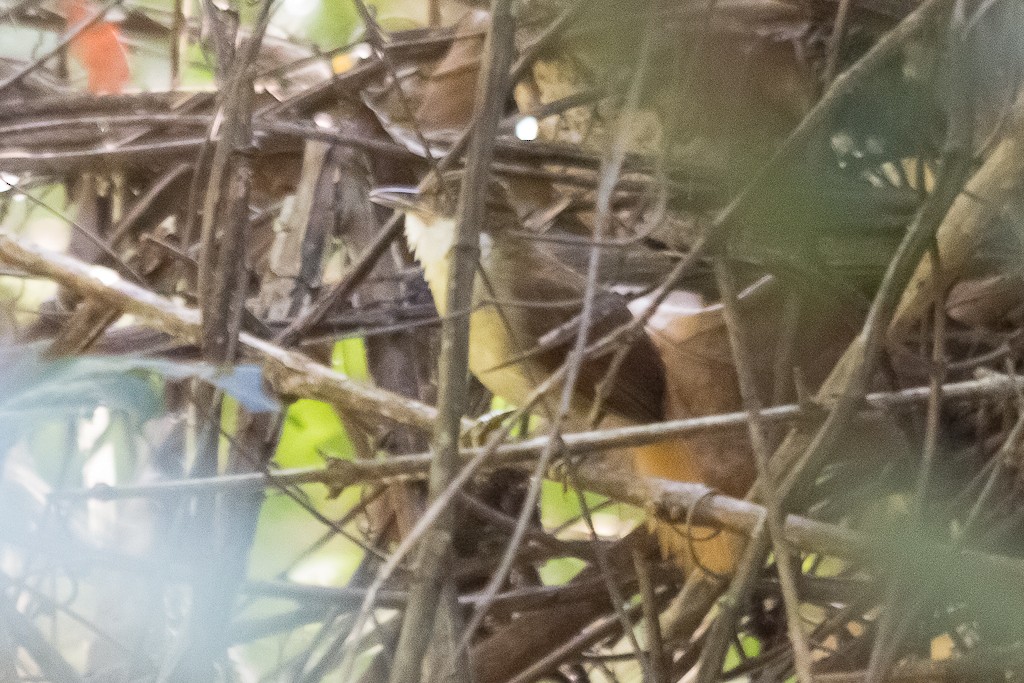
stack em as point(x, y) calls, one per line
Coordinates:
point(68, 385)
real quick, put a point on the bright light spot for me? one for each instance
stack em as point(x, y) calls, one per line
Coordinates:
point(105, 275)
point(843, 144)
point(608, 525)
point(873, 179)
point(315, 571)
point(323, 120)
point(90, 430)
point(611, 525)
point(362, 51)
point(101, 468)
point(299, 9)
point(7, 181)
point(527, 128)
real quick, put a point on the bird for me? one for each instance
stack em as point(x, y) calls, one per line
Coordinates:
point(525, 313)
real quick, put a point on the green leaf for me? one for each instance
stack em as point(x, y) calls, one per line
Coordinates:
point(311, 430)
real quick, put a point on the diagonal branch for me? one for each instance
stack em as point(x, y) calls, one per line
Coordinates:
point(292, 374)
point(788, 571)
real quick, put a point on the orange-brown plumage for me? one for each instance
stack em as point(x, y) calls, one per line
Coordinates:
point(521, 295)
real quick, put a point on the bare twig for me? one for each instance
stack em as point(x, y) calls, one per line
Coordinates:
point(49, 660)
point(346, 286)
point(903, 602)
point(222, 294)
point(435, 550)
point(985, 196)
point(788, 572)
point(343, 473)
point(852, 374)
point(835, 41)
point(178, 42)
point(732, 603)
point(675, 500)
point(652, 626)
point(88, 233)
point(573, 363)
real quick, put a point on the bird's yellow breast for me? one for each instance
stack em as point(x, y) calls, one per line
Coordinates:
point(490, 346)
point(490, 342)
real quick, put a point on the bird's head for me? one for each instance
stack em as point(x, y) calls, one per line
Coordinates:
point(434, 199)
point(429, 218)
point(431, 212)
point(438, 200)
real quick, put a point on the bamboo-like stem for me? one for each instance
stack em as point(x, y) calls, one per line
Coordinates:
point(427, 607)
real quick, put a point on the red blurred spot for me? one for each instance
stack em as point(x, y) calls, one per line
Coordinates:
point(98, 48)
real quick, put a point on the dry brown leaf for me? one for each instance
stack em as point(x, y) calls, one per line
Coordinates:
point(428, 95)
point(748, 45)
point(450, 92)
point(986, 301)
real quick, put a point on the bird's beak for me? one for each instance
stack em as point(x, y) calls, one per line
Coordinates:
point(399, 198)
